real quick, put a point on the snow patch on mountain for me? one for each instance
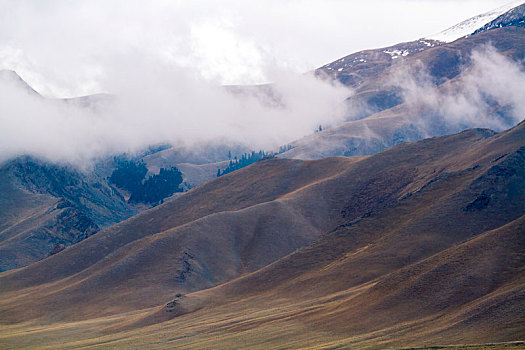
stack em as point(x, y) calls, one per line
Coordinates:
point(469, 26)
point(396, 53)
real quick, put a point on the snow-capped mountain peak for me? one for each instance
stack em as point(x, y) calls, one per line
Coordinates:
point(470, 25)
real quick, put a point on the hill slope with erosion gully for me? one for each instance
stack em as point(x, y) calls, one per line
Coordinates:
point(383, 119)
point(418, 245)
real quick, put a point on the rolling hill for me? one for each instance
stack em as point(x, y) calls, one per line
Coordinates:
point(419, 244)
point(397, 228)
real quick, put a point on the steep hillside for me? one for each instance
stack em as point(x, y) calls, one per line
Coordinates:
point(443, 265)
point(421, 244)
point(364, 67)
point(45, 207)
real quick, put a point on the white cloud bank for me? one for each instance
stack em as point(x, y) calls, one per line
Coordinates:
point(155, 104)
point(490, 93)
point(63, 48)
point(165, 60)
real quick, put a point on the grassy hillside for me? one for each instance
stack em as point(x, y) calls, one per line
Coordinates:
point(419, 245)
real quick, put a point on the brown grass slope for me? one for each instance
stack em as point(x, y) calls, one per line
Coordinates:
point(470, 293)
point(444, 265)
point(211, 234)
point(404, 231)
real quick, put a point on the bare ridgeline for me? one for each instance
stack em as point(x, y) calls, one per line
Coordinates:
point(403, 226)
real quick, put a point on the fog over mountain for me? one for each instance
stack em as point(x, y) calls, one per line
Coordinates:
point(164, 65)
point(64, 49)
point(160, 105)
point(205, 175)
point(491, 81)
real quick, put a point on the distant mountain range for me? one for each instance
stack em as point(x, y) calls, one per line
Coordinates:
point(381, 117)
point(396, 228)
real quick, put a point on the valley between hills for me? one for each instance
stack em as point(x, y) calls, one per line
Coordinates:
point(398, 228)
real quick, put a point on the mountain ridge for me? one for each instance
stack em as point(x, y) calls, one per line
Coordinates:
point(377, 130)
point(471, 162)
point(358, 271)
point(415, 242)
point(473, 25)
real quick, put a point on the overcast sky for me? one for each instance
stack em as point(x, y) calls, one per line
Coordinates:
point(66, 48)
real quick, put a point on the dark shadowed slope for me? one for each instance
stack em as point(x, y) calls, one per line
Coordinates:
point(46, 207)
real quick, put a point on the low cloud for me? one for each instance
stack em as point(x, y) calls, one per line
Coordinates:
point(152, 103)
point(62, 48)
point(488, 94)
